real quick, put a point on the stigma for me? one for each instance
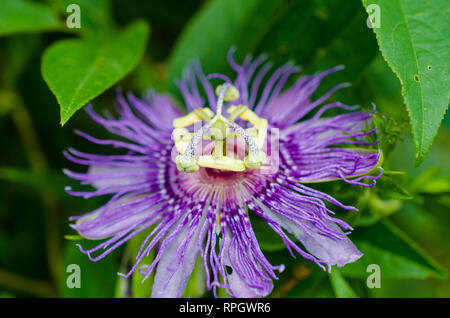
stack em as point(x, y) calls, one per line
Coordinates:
point(220, 129)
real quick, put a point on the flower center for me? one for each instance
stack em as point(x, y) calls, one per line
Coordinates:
point(220, 130)
point(220, 177)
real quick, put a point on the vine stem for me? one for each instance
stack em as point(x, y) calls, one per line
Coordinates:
point(27, 285)
point(38, 163)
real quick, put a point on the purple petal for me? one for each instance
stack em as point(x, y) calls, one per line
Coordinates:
point(239, 287)
point(170, 278)
point(333, 251)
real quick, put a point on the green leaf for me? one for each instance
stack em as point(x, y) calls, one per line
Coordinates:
point(311, 33)
point(398, 256)
point(306, 31)
point(413, 38)
point(340, 286)
point(20, 16)
point(351, 38)
point(436, 186)
point(140, 288)
point(430, 182)
point(315, 284)
point(388, 187)
point(425, 177)
point(324, 290)
point(79, 70)
point(220, 25)
point(196, 287)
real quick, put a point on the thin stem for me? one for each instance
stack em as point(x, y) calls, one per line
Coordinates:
point(223, 90)
point(25, 284)
point(39, 166)
point(252, 146)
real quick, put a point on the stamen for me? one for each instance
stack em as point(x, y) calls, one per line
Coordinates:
point(181, 137)
point(236, 111)
point(186, 142)
point(255, 158)
point(186, 162)
point(225, 92)
point(197, 115)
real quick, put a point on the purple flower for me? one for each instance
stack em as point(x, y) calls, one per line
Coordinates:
point(191, 190)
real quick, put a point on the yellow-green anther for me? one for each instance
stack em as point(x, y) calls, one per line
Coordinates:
point(237, 111)
point(245, 115)
point(186, 164)
point(191, 118)
point(205, 114)
point(181, 138)
point(255, 158)
point(221, 163)
point(225, 92)
point(231, 92)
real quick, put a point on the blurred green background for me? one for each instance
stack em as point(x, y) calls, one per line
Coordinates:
point(402, 224)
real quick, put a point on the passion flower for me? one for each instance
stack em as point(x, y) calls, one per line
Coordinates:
point(190, 180)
